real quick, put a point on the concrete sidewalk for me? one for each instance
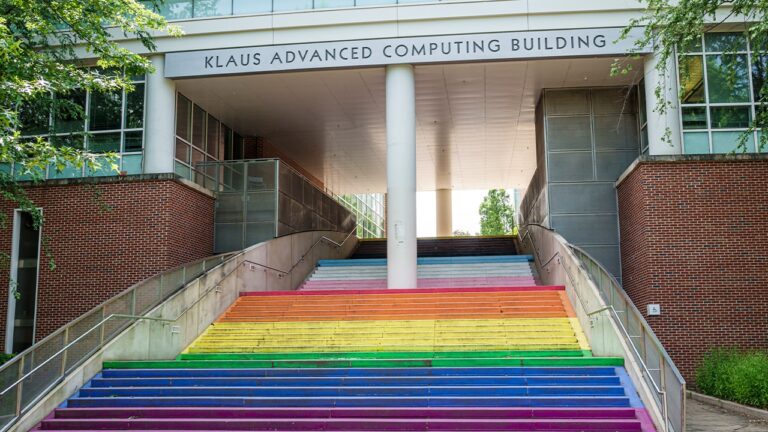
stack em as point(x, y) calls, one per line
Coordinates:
point(702, 417)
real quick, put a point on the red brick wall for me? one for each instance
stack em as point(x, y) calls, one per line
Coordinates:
point(152, 225)
point(694, 238)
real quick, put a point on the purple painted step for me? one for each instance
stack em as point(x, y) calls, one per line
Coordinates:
point(347, 419)
point(357, 424)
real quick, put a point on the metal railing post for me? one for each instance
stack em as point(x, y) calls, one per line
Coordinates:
point(19, 387)
point(64, 354)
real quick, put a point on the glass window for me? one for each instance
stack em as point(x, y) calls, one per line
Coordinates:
point(70, 111)
point(728, 78)
point(35, 117)
point(176, 9)
point(102, 143)
point(730, 117)
point(251, 6)
point(212, 142)
point(198, 127)
point(759, 76)
point(182, 151)
point(692, 79)
point(105, 111)
point(207, 8)
point(71, 140)
point(695, 117)
point(133, 141)
point(725, 42)
point(134, 108)
point(696, 142)
point(183, 118)
point(333, 3)
point(289, 5)
point(726, 142)
point(131, 164)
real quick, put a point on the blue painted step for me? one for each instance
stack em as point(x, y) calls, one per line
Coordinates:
point(370, 402)
point(429, 260)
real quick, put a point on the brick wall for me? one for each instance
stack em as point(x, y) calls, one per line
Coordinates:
point(694, 238)
point(108, 236)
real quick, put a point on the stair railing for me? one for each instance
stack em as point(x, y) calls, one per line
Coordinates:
point(585, 278)
point(28, 377)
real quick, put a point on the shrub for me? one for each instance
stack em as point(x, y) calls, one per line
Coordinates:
point(5, 357)
point(736, 376)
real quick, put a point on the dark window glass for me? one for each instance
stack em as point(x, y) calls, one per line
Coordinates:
point(724, 42)
point(726, 117)
point(694, 117)
point(183, 118)
point(182, 151)
point(759, 77)
point(692, 79)
point(70, 111)
point(198, 127)
point(694, 46)
point(134, 108)
point(35, 117)
point(73, 140)
point(105, 110)
point(133, 141)
point(212, 143)
point(728, 78)
point(102, 143)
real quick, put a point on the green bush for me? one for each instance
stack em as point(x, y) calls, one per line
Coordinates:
point(736, 376)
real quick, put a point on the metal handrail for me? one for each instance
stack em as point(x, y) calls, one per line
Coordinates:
point(660, 389)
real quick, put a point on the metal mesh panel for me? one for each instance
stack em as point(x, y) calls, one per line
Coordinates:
point(8, 400)
point(43, 367)
point(119, 305)
point(172, 281)
point(147, 296)
point(88, 332)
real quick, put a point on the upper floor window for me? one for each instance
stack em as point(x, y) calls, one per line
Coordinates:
point(720, 93)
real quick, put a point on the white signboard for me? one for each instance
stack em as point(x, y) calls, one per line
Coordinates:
point(414, 50)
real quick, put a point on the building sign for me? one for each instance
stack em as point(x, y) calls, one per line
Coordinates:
point(414, 50)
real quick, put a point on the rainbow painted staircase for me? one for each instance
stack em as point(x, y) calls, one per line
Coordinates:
point(509, 358)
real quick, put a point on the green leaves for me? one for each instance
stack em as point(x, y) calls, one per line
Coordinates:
point(497, 216)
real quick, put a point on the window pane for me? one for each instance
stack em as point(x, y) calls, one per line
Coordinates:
point(694, 46)
point(205, 8)
point(198, 127)
point(176, 9)
point(105, 110)
point(183, 118)
point(102, 143)
point(333, 3)
point(727, 142)
point(696, 142)
point(182, 151)
point(131, 164)
point(70, 111)
point(134, 108)
point(727, 78)
point(692, 79)
point(35, 117)
point(212, 143)
point(730, 117)
point(133, 141)
point(694, 117)
point(74, 140)
point(725, 42)
point(287, 5)
point(251, 6)
point(759, 77)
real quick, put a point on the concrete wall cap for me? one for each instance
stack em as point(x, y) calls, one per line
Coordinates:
point(728, 157)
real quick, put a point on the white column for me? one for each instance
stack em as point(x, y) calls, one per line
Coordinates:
point(401, 177)
point(444, 212)
point(663, 129)
point(160, 114)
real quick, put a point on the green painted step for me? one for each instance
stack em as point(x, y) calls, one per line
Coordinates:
point(373, 363)
point(381, 355)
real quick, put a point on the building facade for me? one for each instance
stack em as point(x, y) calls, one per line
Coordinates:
point(368, 102)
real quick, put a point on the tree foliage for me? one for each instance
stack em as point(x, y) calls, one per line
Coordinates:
point(497, 216)
point(42, 46)
point(673, 25)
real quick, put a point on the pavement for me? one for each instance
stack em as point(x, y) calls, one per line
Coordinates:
point(702, 417)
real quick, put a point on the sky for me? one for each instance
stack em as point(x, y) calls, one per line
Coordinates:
point(466, 205)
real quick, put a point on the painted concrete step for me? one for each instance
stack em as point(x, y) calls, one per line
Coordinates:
point(408, 292)
point(386, 381)
point(387, 362)
point(430, 260)
point(364, 424)
point(383, 355)
point(352, 401)
point(445, 283)
point(585, 371)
